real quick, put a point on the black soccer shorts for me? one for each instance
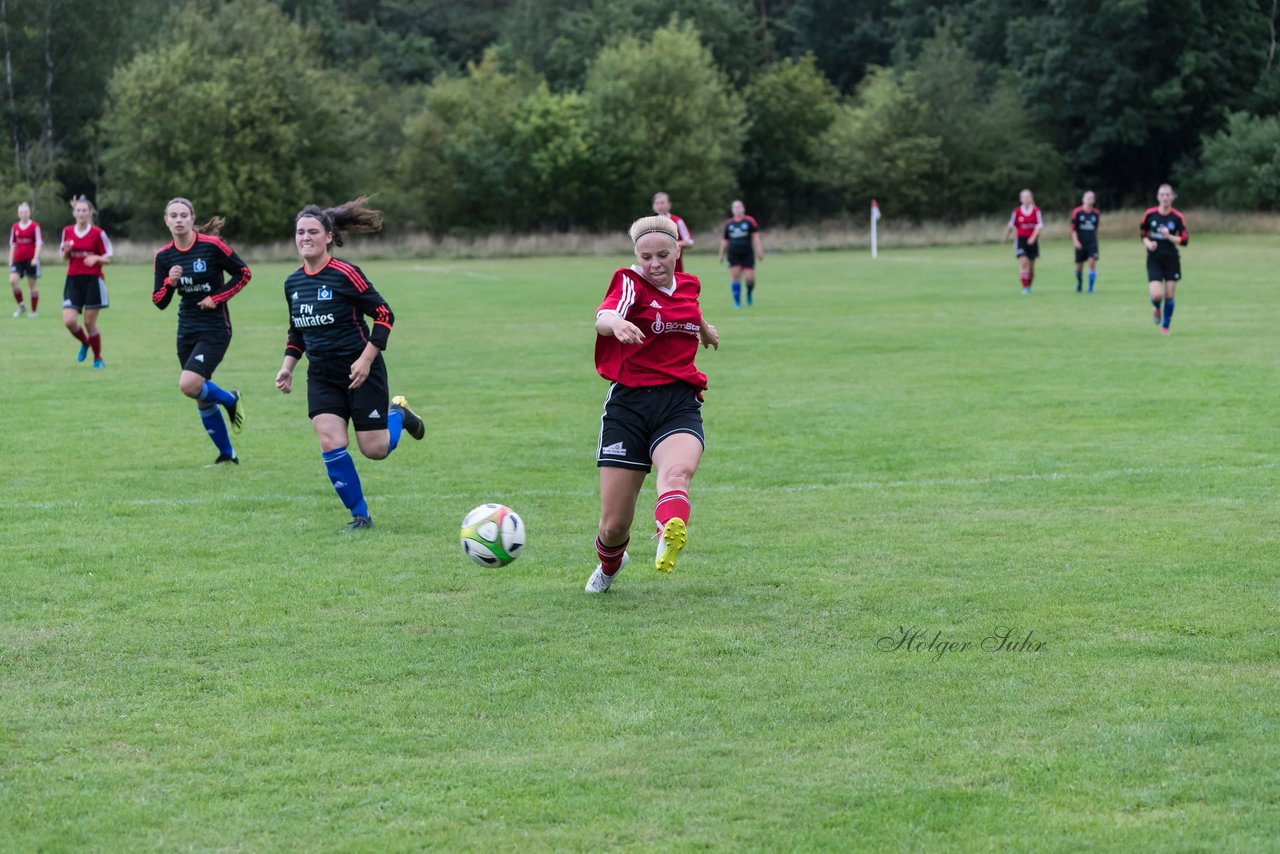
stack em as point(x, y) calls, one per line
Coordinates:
point(327, 391)
point(636, 420)
point(1163, 268)
point(202, 353)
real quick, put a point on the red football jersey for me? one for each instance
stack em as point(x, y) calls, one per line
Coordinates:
point(1025, 222)
point(23, 241)
point(684, 235)
point(92, 242)
point(670, 323)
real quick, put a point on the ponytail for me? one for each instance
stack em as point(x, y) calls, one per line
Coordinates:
point(353, 217)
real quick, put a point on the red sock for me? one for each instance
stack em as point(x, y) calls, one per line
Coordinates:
point(671, 505)
point(1026, 279)
point(610, 556)
point(17, 295)
point(78, 334)
point(1031, 277)
point(35, 299)
point(95, 341)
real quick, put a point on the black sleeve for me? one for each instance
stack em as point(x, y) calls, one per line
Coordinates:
point(161, 291)
point(239, 273)
point(371, 304)
point(295, 345)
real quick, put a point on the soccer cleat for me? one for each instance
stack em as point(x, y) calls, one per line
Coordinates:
point(1026, 291)
point(415, 425)
point(599, 582)
point(98, 364)
point(84, 351)
point(1164, 330)
point(20, 310)
point(670, 542)
point(31, 314)
point(357, 523)
point(235, 412)
point(227, 458)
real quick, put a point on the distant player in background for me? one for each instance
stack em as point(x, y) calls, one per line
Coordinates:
point(25, 242)
point(206, 273)
point(744, 248)
point(346, 376)
point(1163, 230)
point(662, 207)
point(647, 333)
point(1026, 224)
point(87, 250)
point(1084, 235)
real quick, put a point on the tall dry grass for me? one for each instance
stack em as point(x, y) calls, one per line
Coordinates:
point(830, 235)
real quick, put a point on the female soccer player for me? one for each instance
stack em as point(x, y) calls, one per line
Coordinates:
point(1163, 230)
point(87, 250)
point(25, 242)
point(647, 332)
point(207, 273)
point(1084, 235)
point(744, 247)
point(1026, 224)
point(346, 376)
point(662, 207)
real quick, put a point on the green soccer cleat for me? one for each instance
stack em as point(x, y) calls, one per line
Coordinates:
point(670, 542)
point(412, 423)
point(235, 412)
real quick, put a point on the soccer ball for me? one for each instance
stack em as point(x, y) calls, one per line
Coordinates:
point(492, 535)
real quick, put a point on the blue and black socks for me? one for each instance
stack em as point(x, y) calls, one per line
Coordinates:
point(1080, 281)
point(751, 289)
point(395, 426)
point(1093, 277)
point(1168, 311)
point(216, 427)
point(736, 286)
point(345, 480)
point(210, 393)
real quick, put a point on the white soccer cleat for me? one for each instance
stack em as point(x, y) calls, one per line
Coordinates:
point(20, 310)
point(599, 582)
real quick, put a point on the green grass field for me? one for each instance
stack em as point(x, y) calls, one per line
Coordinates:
point(192, 658)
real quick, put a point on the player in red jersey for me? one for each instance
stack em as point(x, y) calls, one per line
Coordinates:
point(1163, 230)
point(1026, 224)
point(25, 242)
point(87, 250)
point(744, 247)
point(1084, 236)
point(647, 333)
point(662, 207)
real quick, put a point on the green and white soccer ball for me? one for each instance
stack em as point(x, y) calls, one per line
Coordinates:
point(492, 535)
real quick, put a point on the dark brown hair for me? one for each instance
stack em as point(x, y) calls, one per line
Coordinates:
point(213, 226)
point(353, 217)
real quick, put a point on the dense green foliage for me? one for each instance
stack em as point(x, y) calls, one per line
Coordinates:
point(193, 659)
point(967, 103)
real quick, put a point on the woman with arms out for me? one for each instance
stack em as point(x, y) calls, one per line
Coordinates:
point(206, 273)
point(647, 333)
point(329, 300)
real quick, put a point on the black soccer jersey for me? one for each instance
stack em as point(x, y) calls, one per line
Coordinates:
point(1152, 220)
point(327, 309)
point(210, 268)
point(1085, 225)
point(738, 232)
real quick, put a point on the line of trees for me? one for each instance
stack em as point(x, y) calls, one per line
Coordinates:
point(474, 115)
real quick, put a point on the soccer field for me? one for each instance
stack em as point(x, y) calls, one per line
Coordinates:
point(905, 456)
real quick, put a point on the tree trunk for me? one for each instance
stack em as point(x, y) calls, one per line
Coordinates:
point(1271, 49)
point(48, 77)
point(8, 83)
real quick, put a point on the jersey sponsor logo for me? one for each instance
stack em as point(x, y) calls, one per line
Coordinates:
point(617, 449)
point(199, 266)
point(659, 327)
point(324, 294)
point(307, 317)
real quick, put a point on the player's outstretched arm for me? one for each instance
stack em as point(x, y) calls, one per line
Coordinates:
point(708, 336)
point(613, 325)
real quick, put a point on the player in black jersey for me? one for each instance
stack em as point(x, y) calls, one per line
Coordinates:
point(1084, 235)
point(346, 376)
point(1163, 230)
point(206, 273)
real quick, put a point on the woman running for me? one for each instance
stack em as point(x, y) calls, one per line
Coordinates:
point(346, 376)
point(87, 250)
point(1026, 225)
point(1084, 236)
point(662, 207)
point(207, 273)
point(1163, 230)
point(25, 243)
point(647, 333)
point(745, 248)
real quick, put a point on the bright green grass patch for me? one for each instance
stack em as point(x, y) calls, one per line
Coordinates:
point(193, 658)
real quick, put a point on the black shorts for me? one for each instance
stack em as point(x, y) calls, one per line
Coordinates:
point(1085, 252)
point(327, 391)
point(635, 420)
point(1163, 268)
point(202, 353)
point(1023, 249)
point(84, 292)
point(742, 258)
point(26, 269)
